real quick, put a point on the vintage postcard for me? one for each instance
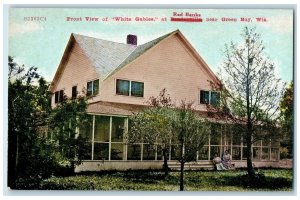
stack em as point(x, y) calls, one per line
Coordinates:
point(150, 99)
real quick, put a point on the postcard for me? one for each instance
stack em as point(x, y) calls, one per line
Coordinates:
point(150, 99)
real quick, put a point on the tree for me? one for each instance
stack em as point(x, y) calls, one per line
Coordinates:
point(191, 131)
point(286, 112)
point(153, 125)
point(64, 121)
point(31, 156)
point(28, 107)
point(251, 90)
point(168, 125)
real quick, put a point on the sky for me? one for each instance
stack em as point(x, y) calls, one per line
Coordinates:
point(41, 41)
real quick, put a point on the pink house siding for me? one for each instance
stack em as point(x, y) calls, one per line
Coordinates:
point(78, 70)
point(160, 68)
point(167, 62)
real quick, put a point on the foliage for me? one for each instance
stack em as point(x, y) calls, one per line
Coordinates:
point(31, 155)
point(275, 180)
point(190, 131)
point(165, 124)
point(286, 111)
point(28, 107)
point(64, 120)
point(153, 125)
point(251, 90)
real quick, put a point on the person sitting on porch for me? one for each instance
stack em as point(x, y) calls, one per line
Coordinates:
point(226, 160)
point(218, 162)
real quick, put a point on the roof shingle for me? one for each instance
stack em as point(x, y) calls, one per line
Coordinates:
point(108, 57)
point(104, 55)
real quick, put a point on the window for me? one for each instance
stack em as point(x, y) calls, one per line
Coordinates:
point(209, 97)
point(130, 88)
point(122, 87)
point(93, 87)
point(56, 97)
point(215, 98)
point(102, 124)
point(204, 97)
point(137, 89)
point(59, 96)
point(74, 92)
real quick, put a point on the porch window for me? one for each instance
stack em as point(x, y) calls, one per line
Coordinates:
point(134, 152)
point(149, 152)
point(203, 153)
point(101, 151)
point(105, 141)
point(117, 150)
point(93, 88)
point(102, 124)
point(117, 129)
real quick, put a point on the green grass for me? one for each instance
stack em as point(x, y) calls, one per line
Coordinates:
point(235, 180)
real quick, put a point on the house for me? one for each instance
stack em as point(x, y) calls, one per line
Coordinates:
point(121, 78)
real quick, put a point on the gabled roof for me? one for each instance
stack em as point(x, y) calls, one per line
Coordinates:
point(139, 50)
point(108, 57)
point(105, 55)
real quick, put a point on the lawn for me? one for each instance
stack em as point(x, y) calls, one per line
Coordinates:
point(235, 180)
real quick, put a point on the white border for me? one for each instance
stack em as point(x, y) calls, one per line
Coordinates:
point(131, 3)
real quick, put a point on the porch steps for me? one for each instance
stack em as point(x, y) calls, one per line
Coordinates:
point(200, 165)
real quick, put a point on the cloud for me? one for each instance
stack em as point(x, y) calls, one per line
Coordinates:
point(17, 28)
point(280, 24)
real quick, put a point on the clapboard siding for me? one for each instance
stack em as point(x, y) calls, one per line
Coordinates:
point(78, 70)
point(170, 65)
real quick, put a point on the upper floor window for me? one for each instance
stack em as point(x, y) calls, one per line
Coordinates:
point(74, 92)
point(130, 88)
point(92, 88)
point(122, 87)
point(137, 89)
point(59, 96)
point(209, 97)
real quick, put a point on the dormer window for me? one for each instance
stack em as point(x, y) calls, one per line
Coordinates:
point(92, 88)
point(209, 97)
point(129, 88)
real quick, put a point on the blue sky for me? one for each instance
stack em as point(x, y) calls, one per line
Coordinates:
point(42, 43)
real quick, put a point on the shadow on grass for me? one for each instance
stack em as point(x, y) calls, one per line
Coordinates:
point(156, 180)
point(259, 182)
point(146, 177)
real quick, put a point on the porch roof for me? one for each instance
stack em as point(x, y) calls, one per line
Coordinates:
point(113, 108)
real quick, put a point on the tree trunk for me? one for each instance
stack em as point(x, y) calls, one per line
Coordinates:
point(165, 165)
point(250, 169)
point(181, 165)
point(12, 159)
point(249, 131)
point(181, 175)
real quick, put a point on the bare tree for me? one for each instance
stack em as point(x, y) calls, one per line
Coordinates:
point(251, 91)
point(153, 125)
point(191, 133)
point(166, 125)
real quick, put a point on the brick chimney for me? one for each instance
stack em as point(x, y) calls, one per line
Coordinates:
point(132, 39)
